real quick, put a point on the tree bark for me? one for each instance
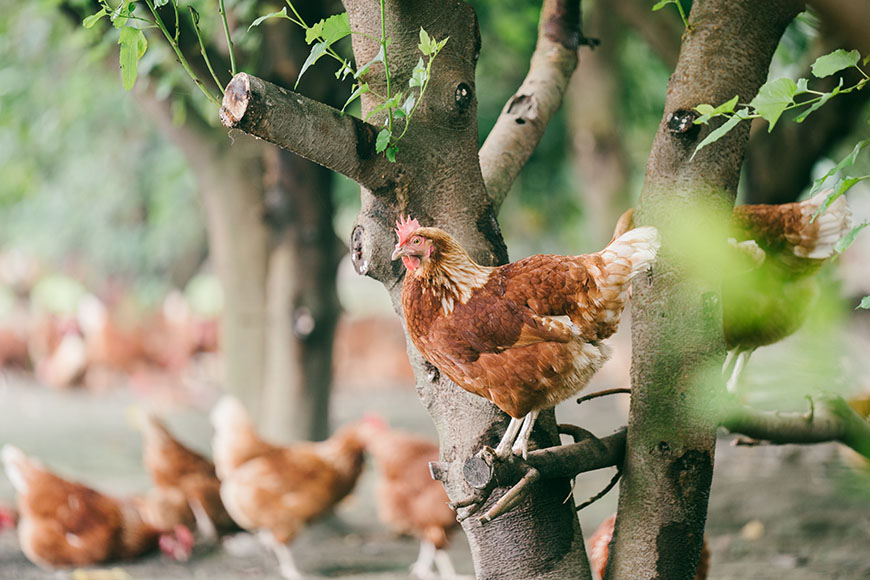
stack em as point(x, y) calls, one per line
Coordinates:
point(676, 316)
point(437, 179)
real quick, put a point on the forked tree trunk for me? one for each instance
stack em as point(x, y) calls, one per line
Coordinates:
point(678, 346)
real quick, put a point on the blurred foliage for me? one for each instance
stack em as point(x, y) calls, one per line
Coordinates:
point(88, 185)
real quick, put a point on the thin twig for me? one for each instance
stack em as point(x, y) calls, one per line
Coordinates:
point(604, 393)
point(604, 491)
point(223, 12)
point(194, 17)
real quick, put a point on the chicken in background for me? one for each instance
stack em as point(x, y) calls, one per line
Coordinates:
point(275, 490)
point(185, 482)
point(408, 500)
point(498, 332)
point(109, 346)
point(64, 523)
point(598, 548)
point(57, 350)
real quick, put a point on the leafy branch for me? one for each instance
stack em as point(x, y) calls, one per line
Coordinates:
point(398, 106)
point(134, 44)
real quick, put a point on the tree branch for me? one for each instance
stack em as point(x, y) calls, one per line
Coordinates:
point(306, 127)
point(830, 419)
point(526, 115)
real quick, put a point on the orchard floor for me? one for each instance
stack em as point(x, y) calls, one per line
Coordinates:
point(808, 515)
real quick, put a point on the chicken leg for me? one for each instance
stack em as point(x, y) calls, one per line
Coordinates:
point(285, 557)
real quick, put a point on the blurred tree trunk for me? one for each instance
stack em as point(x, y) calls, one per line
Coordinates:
point(271, 241)
point(593, 104)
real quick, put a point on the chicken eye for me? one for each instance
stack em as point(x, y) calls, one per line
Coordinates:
point(416, 241)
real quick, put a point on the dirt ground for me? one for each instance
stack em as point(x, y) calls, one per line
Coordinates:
point(775, 512)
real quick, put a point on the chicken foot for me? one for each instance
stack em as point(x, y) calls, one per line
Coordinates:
point(285, 557)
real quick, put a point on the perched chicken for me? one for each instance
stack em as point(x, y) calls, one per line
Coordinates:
point(769, 297)
point(188, 488)
point(497, 332)
point(62, 523)
point(408, 499)
point(598, 548)
point(276, 490)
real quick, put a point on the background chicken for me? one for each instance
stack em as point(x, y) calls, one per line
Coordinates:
point(771, 301)
point(276, 490)
point(497, 332)
point(63, 523)
point(408, 499)
point(186, 486)
point(598, 548)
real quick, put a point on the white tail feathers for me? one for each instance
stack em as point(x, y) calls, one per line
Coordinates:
point(817, 240)
point(635, 249)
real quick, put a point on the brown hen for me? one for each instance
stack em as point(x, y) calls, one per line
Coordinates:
point(408, 499)
point(63, 523)
point(184, 480)
point(501, 332)
point(277, 490)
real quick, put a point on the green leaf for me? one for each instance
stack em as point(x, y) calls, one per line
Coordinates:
point(360, 90)
point(773, 98)
point(721, 131)
point(379, 57)
point(391, 153)
point(408, 105)
point(160, 3)
point(335, 28)
point(865, 303)
point(662, 4)
point(842, 187)
point(834, 62)
point(280, 14)
point(91, 20)
point(314, 32)
point(843, 243)
point(818, 104)
point(440, 45)
point(120, 14)
point(418, 75)
point(317, 51)
point(708, 111)
point(847, 161)
point(343, 70)
point(133, 46)
point(425, 45)
point(382, 141)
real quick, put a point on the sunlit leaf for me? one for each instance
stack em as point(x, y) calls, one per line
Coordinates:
point(360, 90)
point(865, 303)
point(160, 3)
point(662, 4)
point(721, 131)
point(91, 20)
point(336, 27)
point(418, 75)
point(382, 141)
point(425, 45)
point(836, 61)
point(842, 187)
point(802, 86)
point(379, 57)
point(843, 243)
point(391, 153)
point(317, 51)
point(408, 105)
point(133, 46)
point(773, 98)
point(708, 111)
point(280, 14)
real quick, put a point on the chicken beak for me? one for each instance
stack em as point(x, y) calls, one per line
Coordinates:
point(398, 253)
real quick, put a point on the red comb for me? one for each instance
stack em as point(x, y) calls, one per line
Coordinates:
point(404, 228)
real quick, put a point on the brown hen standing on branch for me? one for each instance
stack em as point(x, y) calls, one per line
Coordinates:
point(500, 332)
point(277, 490)
point(64, 523)
point(408, 499)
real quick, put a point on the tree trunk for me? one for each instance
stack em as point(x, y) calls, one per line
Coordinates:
point(678, 344)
